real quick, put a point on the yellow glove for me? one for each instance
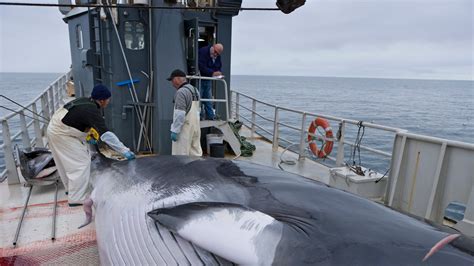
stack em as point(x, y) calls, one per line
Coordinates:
point(92, 136)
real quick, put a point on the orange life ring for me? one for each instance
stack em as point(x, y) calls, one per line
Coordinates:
point(326, 147)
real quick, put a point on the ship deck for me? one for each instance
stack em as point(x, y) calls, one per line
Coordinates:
point(78, 246)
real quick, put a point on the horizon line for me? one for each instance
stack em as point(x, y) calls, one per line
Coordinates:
point(287, 75)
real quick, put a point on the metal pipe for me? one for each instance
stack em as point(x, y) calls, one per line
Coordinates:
point(37, 127)
point(22, 216)
point(275, 130)
point(15, 112)
point(12, 173)
point(22, 106)
point(302, 138)
point(226, 96)
point(290, 126)
point(452, 143)
point(237, 106)
point(386, 154)
point(340, 147)
point(25, 138)
point(254, 110)
point(145, 111)
point(53, 232)
point(329, 117)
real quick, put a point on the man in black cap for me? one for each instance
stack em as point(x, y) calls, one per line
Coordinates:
point(185, 129)
point(67, 133)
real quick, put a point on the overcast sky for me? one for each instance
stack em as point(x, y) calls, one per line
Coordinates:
point(430, 39)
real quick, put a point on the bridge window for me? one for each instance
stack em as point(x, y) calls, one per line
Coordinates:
point(134, 35)
point(79, 38)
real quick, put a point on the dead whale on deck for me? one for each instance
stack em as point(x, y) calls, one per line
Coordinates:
point(181, 210)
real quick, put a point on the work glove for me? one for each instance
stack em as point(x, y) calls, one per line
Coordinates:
point(174, 136)
point(129, 155)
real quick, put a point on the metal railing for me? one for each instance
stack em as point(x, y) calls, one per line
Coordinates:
point(302, 129)
point(226, 96)
point(29, 117)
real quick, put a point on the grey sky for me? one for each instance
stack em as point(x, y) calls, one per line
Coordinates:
point(349, 38)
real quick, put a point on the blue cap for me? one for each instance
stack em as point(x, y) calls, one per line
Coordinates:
point(100, 92)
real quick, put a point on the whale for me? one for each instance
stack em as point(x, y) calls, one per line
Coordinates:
point(179, 210)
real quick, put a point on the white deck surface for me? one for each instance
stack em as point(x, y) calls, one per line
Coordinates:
point(264, 155)
point(78, 246)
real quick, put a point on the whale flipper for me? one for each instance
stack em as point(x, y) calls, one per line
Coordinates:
point(232, 231)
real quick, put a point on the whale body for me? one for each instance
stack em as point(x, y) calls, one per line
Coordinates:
point(183, 210)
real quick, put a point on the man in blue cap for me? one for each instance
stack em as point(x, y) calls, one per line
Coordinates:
point(67, 133)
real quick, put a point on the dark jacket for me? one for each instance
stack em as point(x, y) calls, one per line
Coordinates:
point(206, 66)
point(84, 113)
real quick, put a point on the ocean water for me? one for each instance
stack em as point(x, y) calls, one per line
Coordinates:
point(22, 88)
point(439, 108)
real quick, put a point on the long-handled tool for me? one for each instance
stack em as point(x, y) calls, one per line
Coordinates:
point(129, 83)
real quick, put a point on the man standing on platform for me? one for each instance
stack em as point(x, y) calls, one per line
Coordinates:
point(210, 65)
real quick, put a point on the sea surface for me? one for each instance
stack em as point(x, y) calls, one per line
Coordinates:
point(440, 108)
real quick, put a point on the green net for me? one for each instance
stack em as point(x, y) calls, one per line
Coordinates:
point(246, 148)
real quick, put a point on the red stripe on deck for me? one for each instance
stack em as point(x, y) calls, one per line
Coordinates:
point(6, 210)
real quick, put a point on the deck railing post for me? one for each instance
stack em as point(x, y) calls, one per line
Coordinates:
point(237, 107)
point(254, 109)
point(61, 91)
point(51, 99)
point(232, 113)
point(36, 124)
point(301, 155)
point(56, 95)
point(25, 138)
point(275, 130)
point(45, 106)
point(340, 144)
point(12, 173)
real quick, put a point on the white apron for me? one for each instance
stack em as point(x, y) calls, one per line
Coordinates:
point(71, 155)
point(189, 139)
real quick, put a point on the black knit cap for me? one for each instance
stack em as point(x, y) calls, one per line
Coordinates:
point(176, 73)
point(100, 92)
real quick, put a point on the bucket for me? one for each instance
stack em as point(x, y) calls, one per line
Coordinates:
point(217, 150)
point(213, 138)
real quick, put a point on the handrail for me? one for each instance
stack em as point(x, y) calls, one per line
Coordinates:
point(302, 129)
point(226, 97)
point(49, 100)
point(329, 117)
point(6, 117)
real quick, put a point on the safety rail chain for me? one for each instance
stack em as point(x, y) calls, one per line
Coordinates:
point(49, 100)
point(303, 129)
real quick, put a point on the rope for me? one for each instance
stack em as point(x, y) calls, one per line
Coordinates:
point(288, 162)
point(358, 141)
point(140, 6)
point(378, 180)
point(24, 107)
point(17, 112)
